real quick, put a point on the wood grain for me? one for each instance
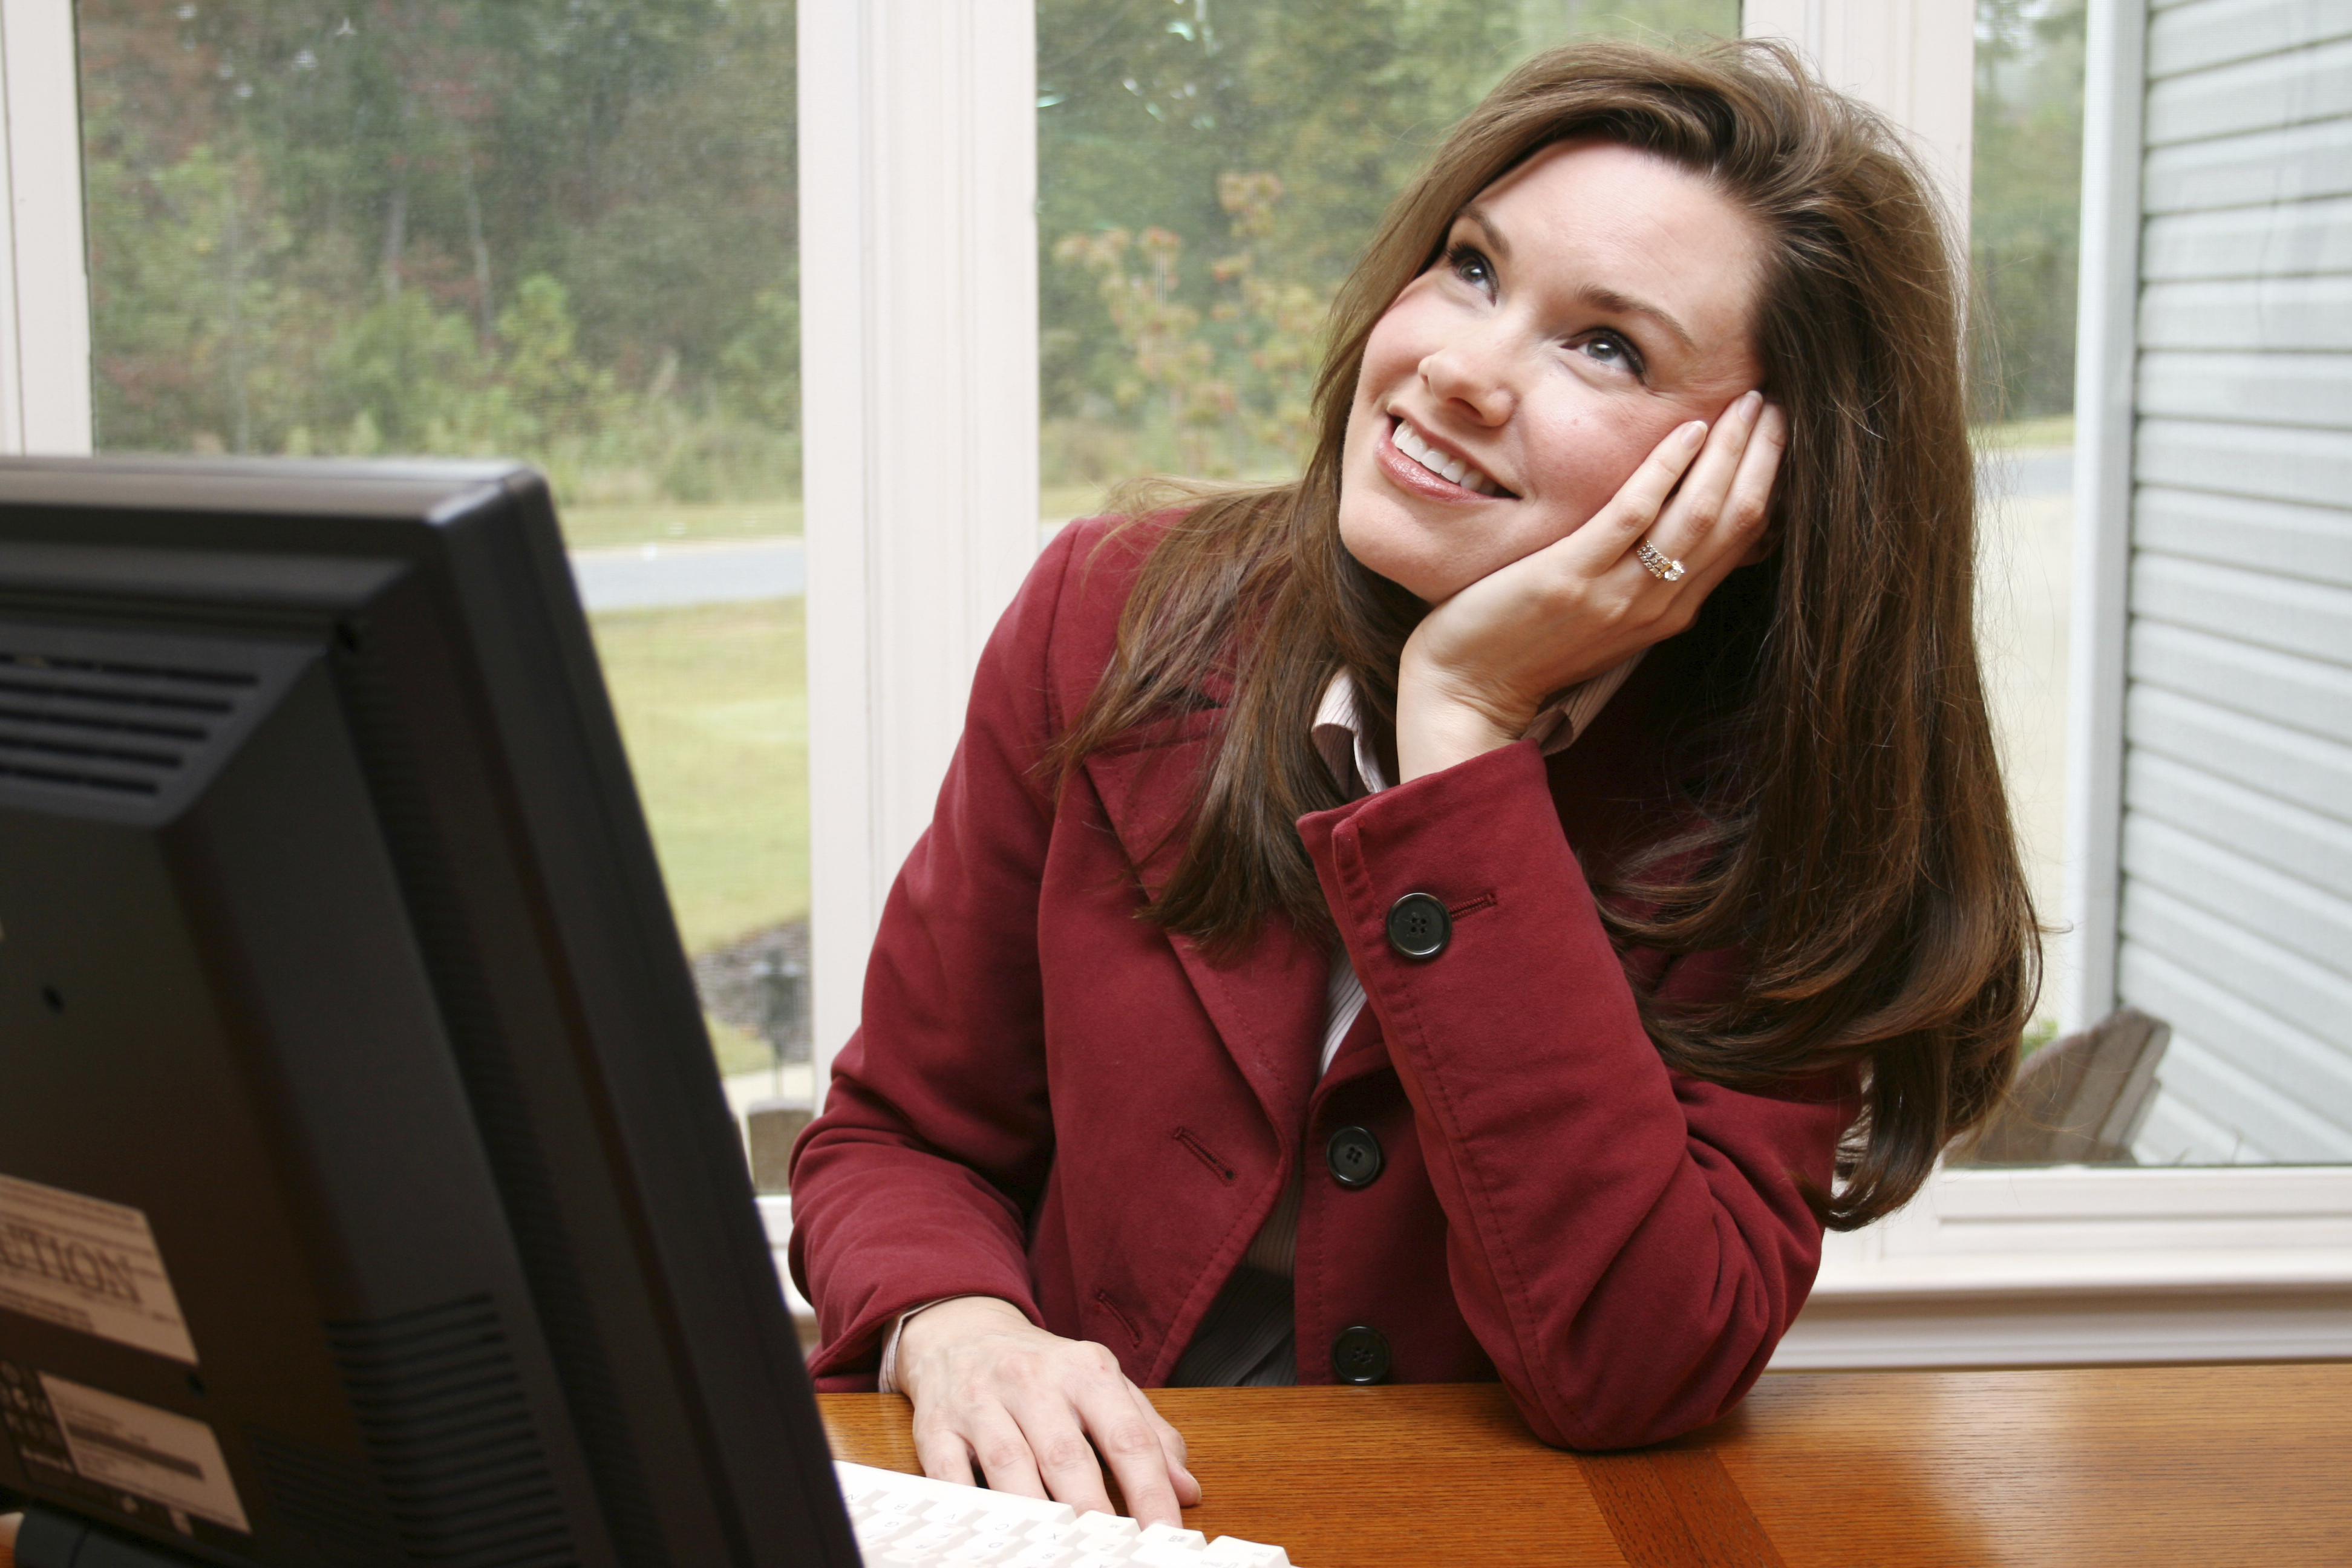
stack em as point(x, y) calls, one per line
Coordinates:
point(2080, 1468)
point(1340, 1476)
point(1678, 1509)
point(2083, 1467)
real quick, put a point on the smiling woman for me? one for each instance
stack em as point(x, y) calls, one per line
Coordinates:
point(1512, 390)
point(1479, 910)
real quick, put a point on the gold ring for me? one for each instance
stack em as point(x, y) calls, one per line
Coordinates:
point(1664, 568)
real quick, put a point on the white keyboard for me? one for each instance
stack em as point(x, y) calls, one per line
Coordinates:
point(913, 1522)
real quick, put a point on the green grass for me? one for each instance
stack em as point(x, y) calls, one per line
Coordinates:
point(662, 522)
point(2023, 435)
point(736, 1051)
point(1059, 503)
point(657, 522)
point(713, 704)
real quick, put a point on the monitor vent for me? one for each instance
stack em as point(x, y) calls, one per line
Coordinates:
point(331, 1500)
point(115, 729)
point(442, 1408)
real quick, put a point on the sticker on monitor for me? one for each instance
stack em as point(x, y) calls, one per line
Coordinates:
point(127, 1446)
point(89, 1265)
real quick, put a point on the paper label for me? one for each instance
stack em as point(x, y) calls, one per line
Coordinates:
point(89, 1265)
point(127, 1446)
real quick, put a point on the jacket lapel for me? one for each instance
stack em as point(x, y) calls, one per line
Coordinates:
point(1267, 1003)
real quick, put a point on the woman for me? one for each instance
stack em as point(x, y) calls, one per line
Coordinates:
point(1478, 912)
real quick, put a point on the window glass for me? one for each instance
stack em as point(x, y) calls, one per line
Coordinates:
point(2023, 222)
point(549, 229)
point(1207, 171)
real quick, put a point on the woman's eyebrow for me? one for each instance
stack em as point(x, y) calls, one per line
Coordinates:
point(1618, 304)
point(1496, 245)
point(1598, 295)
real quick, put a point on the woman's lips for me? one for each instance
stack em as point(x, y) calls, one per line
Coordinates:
point(1408, 475)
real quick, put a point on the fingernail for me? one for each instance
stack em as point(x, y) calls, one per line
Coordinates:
point(1694, 432)
point(1749, 404)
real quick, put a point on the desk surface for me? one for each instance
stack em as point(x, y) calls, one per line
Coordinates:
point(2128, 1465)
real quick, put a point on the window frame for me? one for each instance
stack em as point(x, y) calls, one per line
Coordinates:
point(918, 200)
point(45, 365)
point(2069, 1263)
point(919, 377)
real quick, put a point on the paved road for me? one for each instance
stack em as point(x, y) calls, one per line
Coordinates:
point(652, 576)
point(2038, 471)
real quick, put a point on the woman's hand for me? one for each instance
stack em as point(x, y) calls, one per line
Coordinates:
point(1479, 665)
point(1033, 1410)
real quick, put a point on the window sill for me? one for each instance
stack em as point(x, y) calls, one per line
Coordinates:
point(2068, 1265)
point(2078, 1264)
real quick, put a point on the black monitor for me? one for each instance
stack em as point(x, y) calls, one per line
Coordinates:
point(367, 1192)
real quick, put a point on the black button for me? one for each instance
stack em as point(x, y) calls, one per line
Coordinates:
point(1354, 1156)
point(1419, 926)
point(1361, 1355)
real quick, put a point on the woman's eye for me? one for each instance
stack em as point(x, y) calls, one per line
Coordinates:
point(1608, 348)
point(1471, 267)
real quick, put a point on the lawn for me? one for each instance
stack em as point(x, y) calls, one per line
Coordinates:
point(2023, 435)
point(713, 703)
point(657, 522)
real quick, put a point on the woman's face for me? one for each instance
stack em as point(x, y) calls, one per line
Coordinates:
point(1588, 302)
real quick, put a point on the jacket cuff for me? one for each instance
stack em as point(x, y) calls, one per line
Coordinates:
point(1511, 778)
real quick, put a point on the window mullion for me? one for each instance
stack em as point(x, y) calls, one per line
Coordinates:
point(918, 288)
point(45, 403)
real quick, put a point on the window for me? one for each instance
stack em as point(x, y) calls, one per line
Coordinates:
point(560, 233)
point(923, 136)
point(1207, 173)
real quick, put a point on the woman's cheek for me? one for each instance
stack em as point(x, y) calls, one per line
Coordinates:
point(1608, 460)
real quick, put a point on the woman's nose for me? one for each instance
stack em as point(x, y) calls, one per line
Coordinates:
point(1470, 372)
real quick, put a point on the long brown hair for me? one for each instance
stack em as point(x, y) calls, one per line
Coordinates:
point(1856, 845)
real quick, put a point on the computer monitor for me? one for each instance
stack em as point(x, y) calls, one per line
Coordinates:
point(367, 1192)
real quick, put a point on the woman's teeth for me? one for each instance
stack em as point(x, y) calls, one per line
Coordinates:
point(1438, 463)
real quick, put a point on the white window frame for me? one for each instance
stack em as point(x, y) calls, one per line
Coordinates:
point(2073, 1264)
point(918, 193)
point(919, 378)
point(913, 543)
point(44, 282)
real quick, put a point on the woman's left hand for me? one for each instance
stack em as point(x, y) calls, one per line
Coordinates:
point(1478, 669)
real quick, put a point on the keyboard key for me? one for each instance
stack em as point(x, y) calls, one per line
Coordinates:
point(913, 1522)
point(878, 1528)
point(1158, 1534)
point(1232, 1552)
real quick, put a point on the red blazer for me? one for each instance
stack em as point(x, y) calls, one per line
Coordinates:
point(1052, 1101)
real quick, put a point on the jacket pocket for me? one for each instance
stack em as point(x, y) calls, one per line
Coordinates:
point(1110, 1307)
point(1203, 1153)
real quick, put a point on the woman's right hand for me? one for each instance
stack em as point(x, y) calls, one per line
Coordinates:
point(1032, 1410)
point(1477, 667)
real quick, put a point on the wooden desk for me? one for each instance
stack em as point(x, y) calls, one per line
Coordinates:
point(2138, 1467)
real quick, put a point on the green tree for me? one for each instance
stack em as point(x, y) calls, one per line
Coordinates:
point(1269, 138)
point(2024, 237)
point(561, 228)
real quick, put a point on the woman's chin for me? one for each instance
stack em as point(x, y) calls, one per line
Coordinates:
point(1421, 573)
point(1392, 547)
point(1394, 567)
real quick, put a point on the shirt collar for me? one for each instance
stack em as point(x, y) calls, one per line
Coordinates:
point(1340, 739)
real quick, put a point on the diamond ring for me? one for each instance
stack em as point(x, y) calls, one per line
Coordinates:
point(1664, 568)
